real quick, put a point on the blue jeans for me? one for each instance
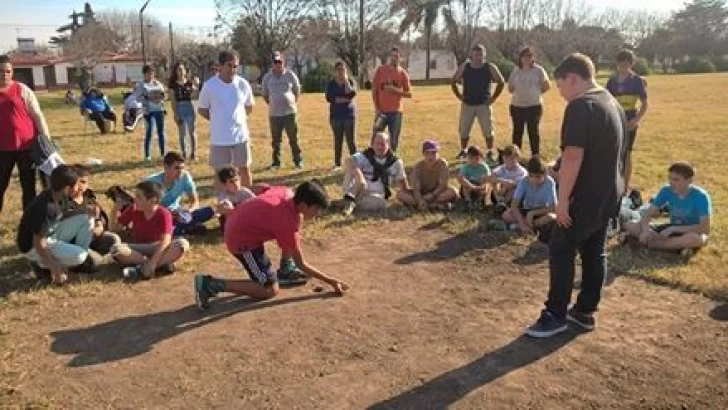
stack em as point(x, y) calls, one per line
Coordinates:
point(158, 118)
point(199, 217)
point(186, 127)
point(391, 121)
point(562, 254)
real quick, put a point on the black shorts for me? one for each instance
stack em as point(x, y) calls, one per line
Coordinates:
point(524, 212)
point(258, 266)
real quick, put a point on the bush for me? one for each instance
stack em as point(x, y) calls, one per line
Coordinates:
point(642, 67)
point(721, 64)
point(505, 66)
point(696, 65)
point(317, 78)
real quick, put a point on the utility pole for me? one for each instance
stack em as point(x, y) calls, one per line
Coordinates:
point(361, 44)
point(141, 26)
point(171, 44)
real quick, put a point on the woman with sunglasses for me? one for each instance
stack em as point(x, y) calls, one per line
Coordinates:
point(527, 83)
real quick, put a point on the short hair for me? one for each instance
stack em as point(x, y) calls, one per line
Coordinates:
point(4, 59)
point(474, 151)
point(536, 166)
point(683, 169)
point(147, 69)
point(382, 134)
point(511, 151)
point(226, 173)
point(172, 158)
point(311, 193)
point(578, 64)
point(339, 64)
point(82, 170)
point(227, 55)
point(394, 48)
point(150, 189)
point(625, 55)
point(478, 47)
point(63, 176)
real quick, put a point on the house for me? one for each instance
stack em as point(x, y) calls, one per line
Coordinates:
point(442, 64)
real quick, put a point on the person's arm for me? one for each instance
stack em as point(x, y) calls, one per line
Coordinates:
point(406, 90)
point(416, 184)
point(153, 261)
point(330, 96)
point(203, 103)
point(545, 84)
point(457, 78)
point(339, 286)
point(644, 103)
point(464, 181)
point(497, 77)
point(570, 166)
point(33, 108)
point(296, 85)
point(375, 90)
point(443, 180)
point(511, 80)
point(250, 99)
point(264, 89)
point(703, 228)
point(191, 191)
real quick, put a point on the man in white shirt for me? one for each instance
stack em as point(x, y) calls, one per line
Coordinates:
point(226, 100)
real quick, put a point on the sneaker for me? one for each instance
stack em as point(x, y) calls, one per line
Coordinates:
point(491, 159)
point(547, 325)
point(298, 165)
point(513, 227)
point(462, 155)
point(583, 320)
point(335, 168)
point(39, 272)
point(167, 269)
point(274, 167)
point(148, 159)
point(202, 291)
point(131, 273)
point(349, 207)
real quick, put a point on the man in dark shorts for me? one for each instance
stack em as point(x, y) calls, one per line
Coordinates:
point(629, 88)
point(591, 181)
point(275, 214)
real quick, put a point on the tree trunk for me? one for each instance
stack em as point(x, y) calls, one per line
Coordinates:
point(428, 36)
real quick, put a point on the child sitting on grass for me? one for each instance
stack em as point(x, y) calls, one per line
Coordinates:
point(232, 193)
point(473, 179)
point(152, 248)
point(534, 200)
point(505, 178)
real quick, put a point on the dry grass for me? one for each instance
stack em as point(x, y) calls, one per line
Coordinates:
point(687, 121)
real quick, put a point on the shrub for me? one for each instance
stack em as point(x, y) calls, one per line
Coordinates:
point(695, 65)
point(505, 66)
point(642, 66)
point(721, 64)
point(317, 78)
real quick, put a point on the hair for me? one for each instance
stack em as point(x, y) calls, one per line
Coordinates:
point(226, 173)
point(63, 176)
point(5, 59)
point(395, 48)
point(339, 64)
point(172, 158)
point(524, 51)
point(478, 47)
point(575, 63)
point(227, 55)
point(382, 134)
point(173, 76)
point(82, 170)
point(474, 151)
point(147, 69)
point(625, 55)
point(683, 169)
point(311, 193)
point(511, 151)
point(150, 190)
point(535, 165)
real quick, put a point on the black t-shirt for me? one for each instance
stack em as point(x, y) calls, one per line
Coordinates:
point(596, 123)
point(37, 218)
point(182, 92)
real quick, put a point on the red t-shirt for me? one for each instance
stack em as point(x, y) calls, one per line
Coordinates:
point(145, 230)
point(17, 128)
point(270, 216)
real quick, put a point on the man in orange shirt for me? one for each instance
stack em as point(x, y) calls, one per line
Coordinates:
point(391, 84)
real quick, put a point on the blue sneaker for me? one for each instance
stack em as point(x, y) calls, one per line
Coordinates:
point(583, 320)
point(202, 291)
point(289, 274)
point(546, 326)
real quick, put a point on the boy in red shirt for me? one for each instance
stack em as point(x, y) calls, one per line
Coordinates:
point(275, 214)
point(153, 248)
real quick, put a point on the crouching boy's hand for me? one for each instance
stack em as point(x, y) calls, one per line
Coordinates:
point(339, 286)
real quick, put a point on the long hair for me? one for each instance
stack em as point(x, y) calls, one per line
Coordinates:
point(173, 76)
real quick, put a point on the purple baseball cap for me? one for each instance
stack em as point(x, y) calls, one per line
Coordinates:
point(430, 145)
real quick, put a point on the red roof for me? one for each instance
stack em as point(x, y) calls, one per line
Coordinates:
point(45, 60)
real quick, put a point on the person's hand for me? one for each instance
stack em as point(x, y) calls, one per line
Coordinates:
point(562, 214)
point(529, 219)
point(670, 230)
point(633, 124)
point(148, 269)
point(422, 205)
point(224, 207)
point(58, 275)
point(525, 227)
point(339, 286)
point(645, 235)
point(94, 210)
point(195, 82)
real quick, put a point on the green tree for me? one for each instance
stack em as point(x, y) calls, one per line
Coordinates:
point(420, 13)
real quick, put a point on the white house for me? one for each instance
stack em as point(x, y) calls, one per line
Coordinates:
point(442, 64)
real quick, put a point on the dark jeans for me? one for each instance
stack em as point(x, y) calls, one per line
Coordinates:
point(527, 117)
point(100, 119)
point(199, 217)
point(290, 125)
point(341, 128)
point(562, 254)
point(391, 121)
point(26, 174)
point(158, 118)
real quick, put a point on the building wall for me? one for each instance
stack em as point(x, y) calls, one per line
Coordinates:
point(38, 77)
point(62, 74)
point(133, 72)
point(104, 73)
point(445, 64)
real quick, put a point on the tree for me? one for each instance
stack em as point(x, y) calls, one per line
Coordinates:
point(420, 13)
point(88, 45)
point(462, 23)
point(701, 28)
point(267, 25)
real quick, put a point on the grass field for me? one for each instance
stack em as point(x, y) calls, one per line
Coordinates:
point(687, 121)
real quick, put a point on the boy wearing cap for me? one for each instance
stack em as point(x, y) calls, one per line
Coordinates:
point(429, 182)
point(281, 90)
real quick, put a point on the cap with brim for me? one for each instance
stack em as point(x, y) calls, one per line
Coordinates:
point(430, 145)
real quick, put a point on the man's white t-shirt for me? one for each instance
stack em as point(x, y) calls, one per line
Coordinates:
point(227, 102)
point(396, 173)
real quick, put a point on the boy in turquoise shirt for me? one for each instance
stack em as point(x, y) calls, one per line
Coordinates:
point(472, 178)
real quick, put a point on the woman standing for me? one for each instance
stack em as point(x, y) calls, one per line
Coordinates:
point(20, 123)
point(527, 83)
point(340, 94)
point(150, 93)
point(183, 91)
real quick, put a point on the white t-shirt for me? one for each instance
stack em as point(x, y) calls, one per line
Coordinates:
point(227, 102)
point(396, 173)
point(527, 86)
point(514, 175)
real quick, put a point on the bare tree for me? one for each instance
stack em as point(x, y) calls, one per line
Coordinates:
point(87, 46)
point(462, 21)
point(126, 24)
point(306, 48)
point(268, 25)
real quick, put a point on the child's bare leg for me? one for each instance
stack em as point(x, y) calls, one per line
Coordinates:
point(544, 220)
point(448, 195)
point(174, 251)
point(689, 240)
point(509, 217)
point(407, 197)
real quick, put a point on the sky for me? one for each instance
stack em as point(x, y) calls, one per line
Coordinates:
point(39, 20)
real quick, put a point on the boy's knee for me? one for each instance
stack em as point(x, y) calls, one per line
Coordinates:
point(182, 244)
point(695, 240)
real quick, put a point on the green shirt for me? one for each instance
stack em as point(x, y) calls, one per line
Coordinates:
point(474, 173)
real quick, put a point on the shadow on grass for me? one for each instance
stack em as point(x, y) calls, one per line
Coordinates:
point(535, 254)
point(448, 388)
point(136, 335)
point(123, 166)
point(639, 262)
point(459, 244)
point(720, 313)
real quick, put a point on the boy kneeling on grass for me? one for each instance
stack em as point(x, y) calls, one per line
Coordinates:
point(274, 215)
point(690, 210)
point(534, 201)
point(473, 178)
point(153, 249)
